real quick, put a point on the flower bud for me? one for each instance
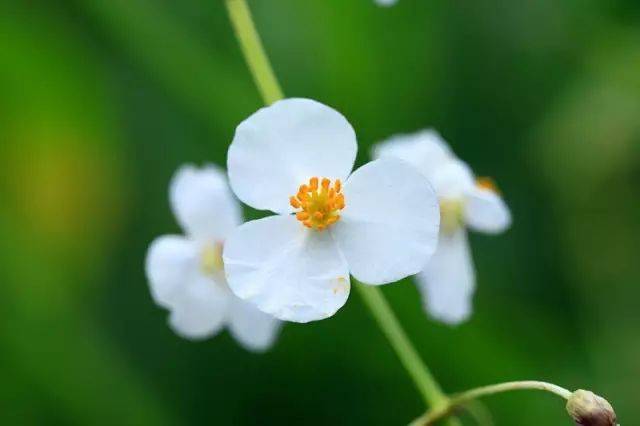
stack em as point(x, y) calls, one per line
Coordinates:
point(588, 409)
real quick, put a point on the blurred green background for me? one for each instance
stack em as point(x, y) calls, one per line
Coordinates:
point(101, 100)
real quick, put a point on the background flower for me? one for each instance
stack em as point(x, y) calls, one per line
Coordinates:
point(380, 227)
point(386, 2)
point(186, 273)
point(447, 283)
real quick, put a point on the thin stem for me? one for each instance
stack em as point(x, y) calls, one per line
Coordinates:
point(269, 88)
point(462, 398)
point(510, 386)
point(388, 322)
point(253, 51)
point(409, 357)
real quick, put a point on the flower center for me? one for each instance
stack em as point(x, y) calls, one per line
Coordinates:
point(211, 259)
point(451, 214)
point(319, 202)
point(452, 209)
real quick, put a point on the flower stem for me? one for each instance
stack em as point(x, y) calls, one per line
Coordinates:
point(462, 398)
point(253, 51)
point(388, 322)
point(409, 357)
point(270, 90)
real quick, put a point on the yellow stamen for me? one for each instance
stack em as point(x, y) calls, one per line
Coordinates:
point(451, 215)
point(211, 259)
point(319, 202)
point(488, 184)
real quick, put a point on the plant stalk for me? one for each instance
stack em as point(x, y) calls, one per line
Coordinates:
point(253, 51)
point(458, 400)
point(390, 326)
point(269, 88)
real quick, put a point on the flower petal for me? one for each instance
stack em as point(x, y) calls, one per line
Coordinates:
point(203, 203)
point(201, 310)
point(171, 263)
point(389, 227)
point(280, 147)
point(286, 270)
point(425, 150)
point(448, 282)
point(486, 211)
point(453, 179)
point(252, 328)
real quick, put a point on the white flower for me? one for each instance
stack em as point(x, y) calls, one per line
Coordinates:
point(448, 282)
point(380, 226)
point(186, 274)
point(386, 3)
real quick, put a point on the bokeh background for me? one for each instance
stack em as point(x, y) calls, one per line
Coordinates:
point(101, 101)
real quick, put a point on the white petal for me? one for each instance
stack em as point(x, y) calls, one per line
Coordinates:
point(202, 309)
point(203, 203)
point(448, 282)
point(252, 328)
point(286, 270)
point(389, 227)
point(426, 150)
point(453, 179)
point(486, 211)
point(171, 263)
point(197, 303)
point(280, 147)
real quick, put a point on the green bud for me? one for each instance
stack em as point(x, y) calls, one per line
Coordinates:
point(588, 409)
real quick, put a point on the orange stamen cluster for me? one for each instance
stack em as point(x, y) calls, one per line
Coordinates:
point(319, 203)
point(488, 184)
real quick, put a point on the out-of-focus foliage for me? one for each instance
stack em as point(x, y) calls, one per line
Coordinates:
point(100, 101)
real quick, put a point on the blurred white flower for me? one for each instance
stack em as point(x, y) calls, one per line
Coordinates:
point(380, 226)
point(448, 282)
point(186, 273)
point(386, 3)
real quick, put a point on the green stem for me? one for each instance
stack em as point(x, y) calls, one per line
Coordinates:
point(510, 386)
point(425, 382)
point(270, 90)
point(462, 398)
point(253, 51)
point(388, 322)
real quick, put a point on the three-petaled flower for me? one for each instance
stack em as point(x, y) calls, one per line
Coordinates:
point(448, 282)
point(379, 223)
point(186, 273)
